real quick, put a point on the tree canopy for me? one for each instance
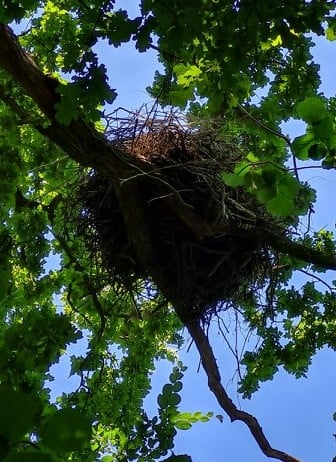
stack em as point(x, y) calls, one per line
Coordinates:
point(156, 226)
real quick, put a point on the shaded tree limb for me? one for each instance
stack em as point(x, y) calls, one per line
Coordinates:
point(214, 381)
point(80, 140)
point(265, 237)
point(285, 245)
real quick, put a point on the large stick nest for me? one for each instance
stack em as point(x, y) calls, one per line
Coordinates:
point(184, 162)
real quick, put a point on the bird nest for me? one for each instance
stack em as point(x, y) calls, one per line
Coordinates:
point(195, 270)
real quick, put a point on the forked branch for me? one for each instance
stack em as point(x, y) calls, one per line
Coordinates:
point(214, 380)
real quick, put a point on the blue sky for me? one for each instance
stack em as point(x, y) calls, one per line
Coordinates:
point(296, 415)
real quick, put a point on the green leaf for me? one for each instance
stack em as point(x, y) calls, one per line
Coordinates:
point(312, 109)
point(66, 430)
point(301, 145)
point(181, 97)
point(242, 168)
point(181, 366)
point(162, 401)
point(252, 157)
point(182, 425)
point(119, 27)
point(271, 175)
point(29, 456)
point(4, 447)
point(280, 206)
point(175, 376)
point(288, 186)
point(174, 399)
point(17, 413)
point(329, 163)
point(4, 282)
point(232, 179)
point(265, 193)
point(264, 183)
point(68, 108)
point(186, 75)
point(179, 458)
point(317, 151)
point(11, 10)
point(167, 389)
point(330, 34)
point(184, 420)
point(177, 386)
point(324, 129)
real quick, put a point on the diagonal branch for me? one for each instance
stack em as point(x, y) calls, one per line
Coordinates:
point(261, 235)
point(215, 385)
point(80, 140)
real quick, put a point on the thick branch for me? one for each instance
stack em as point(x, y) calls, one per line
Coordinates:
point(271, 239)
point(214, 381)
point(285, 245)
point(79, 140)
point(22, 68)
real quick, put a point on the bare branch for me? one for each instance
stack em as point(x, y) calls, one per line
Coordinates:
point(215, 385)
point(317, 278)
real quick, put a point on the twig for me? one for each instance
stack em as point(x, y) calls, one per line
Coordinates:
point(233, 350)
point(332, 289)
point(261, 124)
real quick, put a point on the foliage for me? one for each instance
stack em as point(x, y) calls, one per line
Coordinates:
point(217, 58)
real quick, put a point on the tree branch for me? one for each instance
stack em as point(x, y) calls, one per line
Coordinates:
point(215, 385)
point(285, 245)
point(79, 139)
point(261, 235)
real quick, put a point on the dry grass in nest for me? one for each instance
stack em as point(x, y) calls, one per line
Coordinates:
point(199, 272)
